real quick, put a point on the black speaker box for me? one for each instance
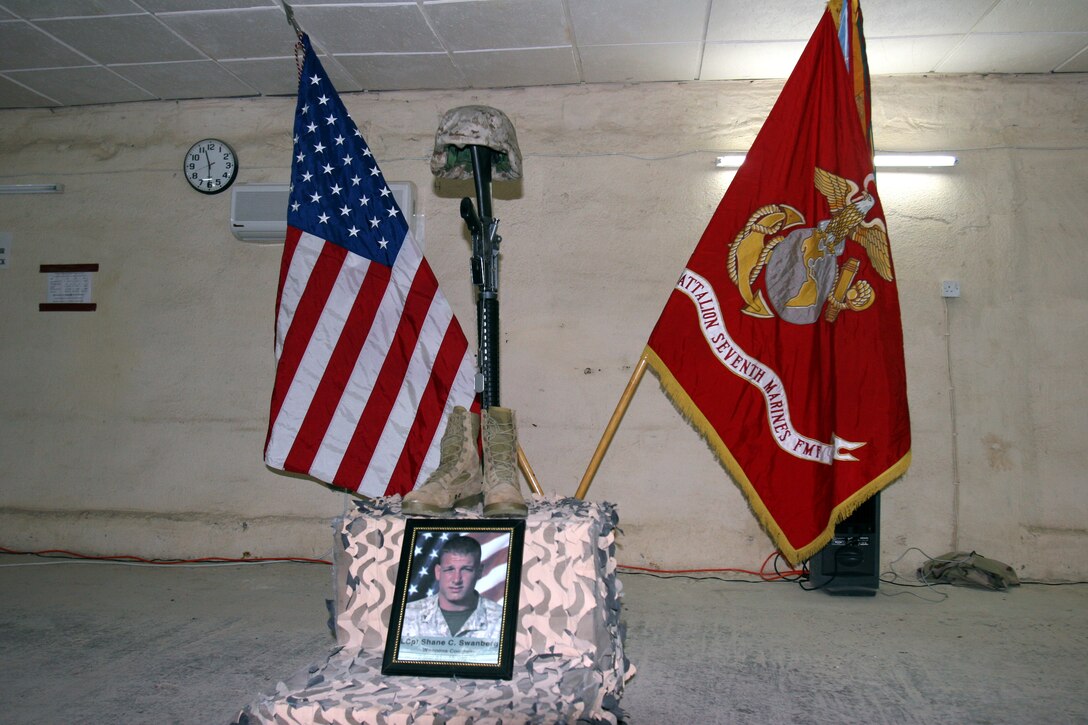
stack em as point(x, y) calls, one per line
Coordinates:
point(849, 565)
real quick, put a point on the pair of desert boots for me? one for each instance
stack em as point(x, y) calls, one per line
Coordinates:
point(461, 480)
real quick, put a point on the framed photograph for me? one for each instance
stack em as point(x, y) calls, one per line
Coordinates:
point(455, 605)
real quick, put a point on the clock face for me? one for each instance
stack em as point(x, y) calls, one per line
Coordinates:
point(210, 166)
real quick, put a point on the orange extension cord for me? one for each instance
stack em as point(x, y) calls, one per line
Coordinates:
point(122, 558)
point(762, 573)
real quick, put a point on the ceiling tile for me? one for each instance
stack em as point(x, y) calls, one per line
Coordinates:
point(167, 6)
point(632, 63)
point(21, 46)
point(268, 76)
point(13, 95)
point(362, 29)
point(254, 33)
point(122, 39)
point(422, 44)
point(528, 67)
point(896, 18)
point(1012, 53)
point(415, 71)
point(195, 79)
point(499, 24)
point(641, 21)
point(891, 56)
point(279, 76)
point(1036, 15)
point(1076, 64)
point(296, 3)
point(36, 9)
point(765, 21)
point(727, 61)
point(82, 86)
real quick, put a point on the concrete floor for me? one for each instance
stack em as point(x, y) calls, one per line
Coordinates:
point(95, 643)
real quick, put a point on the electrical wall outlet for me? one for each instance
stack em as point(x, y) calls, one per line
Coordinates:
point(5, 249)
point(950, 288)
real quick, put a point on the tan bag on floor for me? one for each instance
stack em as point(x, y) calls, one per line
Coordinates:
point(968, 569)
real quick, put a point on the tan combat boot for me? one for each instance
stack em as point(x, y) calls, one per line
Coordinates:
point(456, 481)
point(502, 494)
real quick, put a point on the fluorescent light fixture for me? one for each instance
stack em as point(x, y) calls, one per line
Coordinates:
point(730, 161)
point(881, 161)
point(31, 188)
point(904, 161)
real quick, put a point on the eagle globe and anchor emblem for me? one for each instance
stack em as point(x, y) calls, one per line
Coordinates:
point(800, 264)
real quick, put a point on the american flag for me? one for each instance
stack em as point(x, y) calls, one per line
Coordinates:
point(370, 358)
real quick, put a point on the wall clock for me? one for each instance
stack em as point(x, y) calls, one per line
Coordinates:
point(210, 166)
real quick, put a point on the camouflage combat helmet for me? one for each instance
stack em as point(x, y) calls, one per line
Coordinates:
point(466, 126)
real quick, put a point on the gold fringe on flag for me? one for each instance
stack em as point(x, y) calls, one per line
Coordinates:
point(679, 398)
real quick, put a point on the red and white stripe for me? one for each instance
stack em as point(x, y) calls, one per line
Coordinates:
point(370, 360)
point(494, 560)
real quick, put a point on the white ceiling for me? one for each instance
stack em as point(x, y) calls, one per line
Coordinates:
point(78, 52)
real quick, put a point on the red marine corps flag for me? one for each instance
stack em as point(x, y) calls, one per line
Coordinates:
point(782, 340)
point(369, 356)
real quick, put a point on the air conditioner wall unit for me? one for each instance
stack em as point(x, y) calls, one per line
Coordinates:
point(258, 212)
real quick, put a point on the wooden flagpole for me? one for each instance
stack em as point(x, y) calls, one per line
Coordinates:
point(610, 429)
point(523, 464)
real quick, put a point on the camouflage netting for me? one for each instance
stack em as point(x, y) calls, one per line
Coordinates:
point(475, 126)
point(569, 663)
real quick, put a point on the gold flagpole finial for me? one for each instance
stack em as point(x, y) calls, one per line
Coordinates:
point(291, 17)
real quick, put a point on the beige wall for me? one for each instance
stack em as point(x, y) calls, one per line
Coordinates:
point(138, 428)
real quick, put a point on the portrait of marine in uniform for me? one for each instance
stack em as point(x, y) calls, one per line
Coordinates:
point(451, 613)
point(455, 606)
point(457, 609)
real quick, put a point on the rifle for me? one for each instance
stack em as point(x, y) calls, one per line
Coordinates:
point(484, 266)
